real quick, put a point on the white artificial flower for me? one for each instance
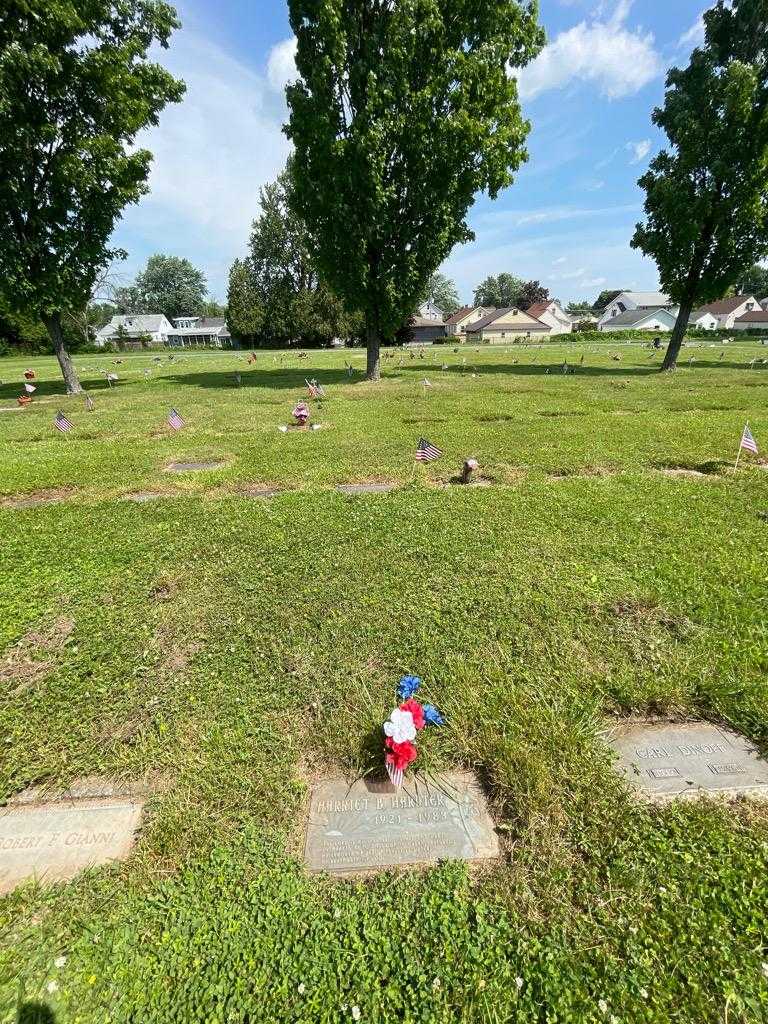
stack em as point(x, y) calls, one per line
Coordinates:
point(614, 1019)
point(519, 983)
point(765, 970)
point(356, 1013)
point(436, 983)
point(302, 989)
point(400, 727)
point(602, 1006)
point(644, 993)
point(52, 986)
point(59, 961)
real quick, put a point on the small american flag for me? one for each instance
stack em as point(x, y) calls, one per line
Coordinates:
point(395, 775)
point(427, 383)
point(747, 441)
point(89, 406)
point(426, 451)
point(62, 423)
point(315, 389)
point(30, 389)
point(174, 420)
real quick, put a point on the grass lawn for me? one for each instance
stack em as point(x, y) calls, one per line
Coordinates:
point(223, 650)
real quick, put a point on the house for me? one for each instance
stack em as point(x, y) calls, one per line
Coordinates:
point(458, 322)
point(429, 311)
point(198, 331)
point(626, 301)
point(552, 314)
point(764, 303)
point(504, 325)
point(729, 310)
point(425, 329)
point(655, 319)
point(755, 320)
point(132, 329)
point(703, 319)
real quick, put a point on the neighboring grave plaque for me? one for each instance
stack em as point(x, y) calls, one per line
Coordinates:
point(665, 760)
point(51, 842)
point(368, 826)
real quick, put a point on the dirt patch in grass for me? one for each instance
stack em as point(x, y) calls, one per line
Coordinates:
point(645, 612)
point(260, 490)
point(562, 412)
point(177, 657)
point(33, 498)
point(142, 497)
point(704, 470)
point(194, 466)
point(163, 590)
point(32, 657)
point(582, 472)
point(425, 419)
point(498, 418)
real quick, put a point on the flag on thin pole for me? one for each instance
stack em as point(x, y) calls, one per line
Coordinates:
point(426, 451)
point(62, 423)
point(747, 443)
point(30, 389)
point(395, 775)
point(174, 420)
point(315, 390)
point(89, 406)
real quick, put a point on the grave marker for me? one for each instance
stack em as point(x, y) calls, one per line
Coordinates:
point(368, 826)
point(664, 760)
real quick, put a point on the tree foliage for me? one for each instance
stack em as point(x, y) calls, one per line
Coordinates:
point(706, 200)
point(169, 285)
point(403, 112)
point(498, 292)
point(605, 297)
point(76, 88)
point(275, 295)
point(530, 293)
point(441, 290)
point(754, 281)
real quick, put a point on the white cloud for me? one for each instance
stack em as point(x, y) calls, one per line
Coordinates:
point(619, 60)
point(639, 150)
point(694, 36)
point(281, 64)
point(504, 219)
point(593, 282)
point(560, 260)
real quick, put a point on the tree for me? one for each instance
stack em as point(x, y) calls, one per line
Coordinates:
point(76, 88)
point(441, 290)
point(403, 112)
point(498, 292)
point(753, 281)
point(585, 306)
point(706, 200)
point(531, 293)
point(171, 285)
point(245, 315)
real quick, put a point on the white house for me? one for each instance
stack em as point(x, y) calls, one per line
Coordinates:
point(134, 327)
point(729, 310)
point(703, 319)
point(429, 311)
point(626, 301)
point(656, 319)
point(506, 325)
point(552, 314)
point(458, 322)
point(755, 320)
point(197, 331)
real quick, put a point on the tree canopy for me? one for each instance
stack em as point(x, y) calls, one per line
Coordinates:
point(530, 293)
point(706, 206)
point(442, 291)
point(500, 291)
point(754, 281)
point(76, 88)
point(402, 113)
point(169, 285)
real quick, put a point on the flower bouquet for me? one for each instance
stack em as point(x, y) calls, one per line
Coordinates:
point(301, 413)
point(401, 727)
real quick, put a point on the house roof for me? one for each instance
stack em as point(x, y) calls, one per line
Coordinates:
point(203, 325)
point(454, 318)
point(725, 306)
point(651, 300)
point(755, 316)
point(634, 316)
point(697, 314)
point(425, 321)
point(497, 319)
point(538, 308)
point(134, 323)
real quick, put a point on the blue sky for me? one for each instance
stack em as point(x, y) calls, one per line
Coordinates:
point(566, 220)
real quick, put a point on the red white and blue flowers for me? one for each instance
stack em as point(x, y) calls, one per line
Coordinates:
point(401, 727)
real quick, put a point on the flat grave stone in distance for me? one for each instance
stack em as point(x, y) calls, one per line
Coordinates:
point(54, 841)
point(665, 760)
point(367, 826)
point(380, 488)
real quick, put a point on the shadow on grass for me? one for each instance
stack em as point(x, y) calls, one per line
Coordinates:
point(35, 1013)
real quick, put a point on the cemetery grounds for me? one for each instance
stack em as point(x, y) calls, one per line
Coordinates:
point(223, 650)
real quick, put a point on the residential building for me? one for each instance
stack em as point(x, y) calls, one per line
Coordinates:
point(755, 320)
point(656, 319)
point(458, 322)
point(729, 310)
point(200, 331)
point(626, 301)
point(429, 311)
point(703, 319)
point(552, 314)
point(132, 329)
point(425, 329)
point(506, 325)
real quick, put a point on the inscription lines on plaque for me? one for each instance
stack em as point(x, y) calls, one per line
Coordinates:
point(682, 750)
point(70, 839)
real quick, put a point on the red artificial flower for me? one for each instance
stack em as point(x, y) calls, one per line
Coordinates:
point(416, 710)
point(401, 754)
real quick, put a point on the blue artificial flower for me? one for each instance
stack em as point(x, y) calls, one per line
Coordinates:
point(432, 716)
point(408, 686)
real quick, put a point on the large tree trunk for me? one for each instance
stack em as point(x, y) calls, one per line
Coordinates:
point(678, 334)
point(373, 344)
point(53, 324)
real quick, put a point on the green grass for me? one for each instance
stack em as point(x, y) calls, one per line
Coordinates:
point(226, 650)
